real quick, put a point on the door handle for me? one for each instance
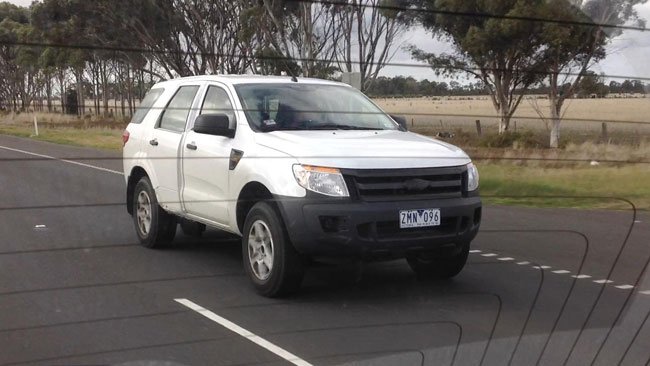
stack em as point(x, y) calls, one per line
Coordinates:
point(191, 146)
point(153, 142)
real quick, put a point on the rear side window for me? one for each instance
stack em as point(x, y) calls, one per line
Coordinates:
point(146, 104)
point(175, 114)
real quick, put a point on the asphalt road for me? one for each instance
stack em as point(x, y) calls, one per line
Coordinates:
point(76, 288)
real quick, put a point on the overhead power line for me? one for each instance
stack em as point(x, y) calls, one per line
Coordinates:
point(477, 15)
point(117, 49)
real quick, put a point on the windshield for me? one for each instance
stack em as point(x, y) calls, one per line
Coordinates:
point(271, 107)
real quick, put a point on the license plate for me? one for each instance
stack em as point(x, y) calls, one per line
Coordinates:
point(419, 218)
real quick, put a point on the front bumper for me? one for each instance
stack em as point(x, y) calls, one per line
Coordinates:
point(343, 228)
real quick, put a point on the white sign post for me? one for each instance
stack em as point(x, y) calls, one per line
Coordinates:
point(35, 126)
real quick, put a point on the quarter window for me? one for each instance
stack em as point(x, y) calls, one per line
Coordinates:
point(217, 102)
point(146, 104)
point(174, 117)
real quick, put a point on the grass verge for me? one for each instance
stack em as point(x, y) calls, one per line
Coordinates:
point(536, 186)
point(100, 138)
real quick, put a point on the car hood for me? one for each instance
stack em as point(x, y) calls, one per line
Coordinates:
point(364, 149)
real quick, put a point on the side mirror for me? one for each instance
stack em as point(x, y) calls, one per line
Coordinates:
point(401, 121)
point(213, 124)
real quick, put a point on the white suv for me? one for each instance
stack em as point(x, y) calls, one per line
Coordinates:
point(302, 169)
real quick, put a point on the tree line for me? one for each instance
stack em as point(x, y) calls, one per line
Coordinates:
point(74, 50)
point(591, 85)
point(114, 49)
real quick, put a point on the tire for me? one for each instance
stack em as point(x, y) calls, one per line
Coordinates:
point(278, 269)
point(439, 267)
point(155, 227)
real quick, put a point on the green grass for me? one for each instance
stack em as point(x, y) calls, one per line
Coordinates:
point(536, 187)
point(100, 138)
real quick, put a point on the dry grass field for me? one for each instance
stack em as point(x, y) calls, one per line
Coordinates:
point(584, 117)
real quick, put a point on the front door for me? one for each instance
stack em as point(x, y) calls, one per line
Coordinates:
point(206, 163)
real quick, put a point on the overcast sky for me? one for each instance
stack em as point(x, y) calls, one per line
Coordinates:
point(628, 54)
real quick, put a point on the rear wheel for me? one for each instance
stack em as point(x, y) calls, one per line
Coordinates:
point(272, 263)
point(154, 226)
point(439, 267)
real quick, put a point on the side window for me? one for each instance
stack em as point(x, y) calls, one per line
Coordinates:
point(175, 115)
point(217, 102)
point(146, 104)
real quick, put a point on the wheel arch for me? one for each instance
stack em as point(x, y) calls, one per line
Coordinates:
point(249, 195)
point(136, 174)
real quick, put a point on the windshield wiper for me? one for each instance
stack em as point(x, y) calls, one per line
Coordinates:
point(334, 126)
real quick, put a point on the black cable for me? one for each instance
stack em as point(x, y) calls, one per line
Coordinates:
point(566, 300)
point(475, 15)
point(270, 58)
point(384, 112)
point(473, 157)
point(636, 335)
point(602, 289)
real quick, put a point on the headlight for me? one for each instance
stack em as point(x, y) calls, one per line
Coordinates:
point(472, 177)
point(327, 181)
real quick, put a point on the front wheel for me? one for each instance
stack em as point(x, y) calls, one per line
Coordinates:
point(272, 263)
point(154, 226)
point(439, 267)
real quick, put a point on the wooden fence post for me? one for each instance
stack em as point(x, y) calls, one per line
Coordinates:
point(478, 128)
point(604, 135)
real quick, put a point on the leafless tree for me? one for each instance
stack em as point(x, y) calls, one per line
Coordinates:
point(368, 40)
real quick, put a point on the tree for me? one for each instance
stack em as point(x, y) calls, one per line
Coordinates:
point(368, 36)
point(300, 31)
point(19, 82)
point(506, 55)
point(571, 49)
point(591, 84)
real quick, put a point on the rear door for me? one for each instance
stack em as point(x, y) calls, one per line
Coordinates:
point(163, 143)
point(206, 160)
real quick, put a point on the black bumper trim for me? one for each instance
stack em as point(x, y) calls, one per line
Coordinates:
point(332, 227)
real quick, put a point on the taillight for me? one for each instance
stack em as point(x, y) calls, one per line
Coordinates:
point(125, 137)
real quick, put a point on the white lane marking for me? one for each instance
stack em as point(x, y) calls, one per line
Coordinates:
point(624, 287)
point(489, 255)
point(581, 276)
point(561, 271)
point(63, 160)
point(637, 221)
point(523, 263)
point(603, 281)
point(541, 267)
point(475, 251)
point(288, 356)
point(506, 259)
point(647, 292)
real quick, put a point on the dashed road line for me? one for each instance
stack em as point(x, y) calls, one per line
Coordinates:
point(288, 356)
point(603, 281)
point(624, 287)
point(559, 271)
point(646, 292)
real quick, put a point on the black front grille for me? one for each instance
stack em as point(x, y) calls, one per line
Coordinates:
point(396, 184)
